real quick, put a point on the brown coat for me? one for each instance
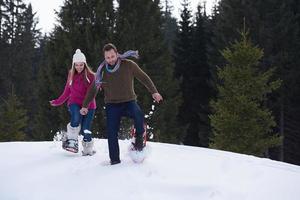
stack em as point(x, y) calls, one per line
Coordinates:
point(119, 85)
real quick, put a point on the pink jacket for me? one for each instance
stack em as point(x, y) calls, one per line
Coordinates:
point(76, 92)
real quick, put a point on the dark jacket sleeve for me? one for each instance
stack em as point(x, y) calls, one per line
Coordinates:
point(91, 94)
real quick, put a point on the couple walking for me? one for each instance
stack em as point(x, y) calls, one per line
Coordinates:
point(115, 76)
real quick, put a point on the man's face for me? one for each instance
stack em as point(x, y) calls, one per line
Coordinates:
point(110, 57)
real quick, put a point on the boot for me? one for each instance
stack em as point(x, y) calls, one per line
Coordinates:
point(88, 144)
point(88, 148)
point(114, 162)
point(87, 135)
point(72, 138)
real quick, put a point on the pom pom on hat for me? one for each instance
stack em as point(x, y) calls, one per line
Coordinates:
point(78, 57)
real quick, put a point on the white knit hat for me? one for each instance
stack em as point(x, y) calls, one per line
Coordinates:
point(78, 57)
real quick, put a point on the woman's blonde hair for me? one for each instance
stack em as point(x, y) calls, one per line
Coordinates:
point(87, 71)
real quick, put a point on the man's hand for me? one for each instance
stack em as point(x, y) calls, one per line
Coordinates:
point(157, 97)
point(83, 111)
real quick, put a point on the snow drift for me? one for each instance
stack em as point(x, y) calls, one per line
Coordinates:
point(43, 171)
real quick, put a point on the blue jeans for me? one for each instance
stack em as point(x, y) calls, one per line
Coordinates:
point(84, 120)
point(114, 112)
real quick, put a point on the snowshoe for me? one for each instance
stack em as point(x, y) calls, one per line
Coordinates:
point(72, 138)
point(137, 156)
point(64, 139)
point(138, 144)
point(72, 146)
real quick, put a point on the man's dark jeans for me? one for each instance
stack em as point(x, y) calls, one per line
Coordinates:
point(114, 113)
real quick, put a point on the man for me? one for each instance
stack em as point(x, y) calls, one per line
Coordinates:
point(116, 75)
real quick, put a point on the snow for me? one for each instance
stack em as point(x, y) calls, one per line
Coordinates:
point(43, 171)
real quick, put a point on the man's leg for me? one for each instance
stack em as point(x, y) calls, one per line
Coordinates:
point(113, 117)
point(134, 111)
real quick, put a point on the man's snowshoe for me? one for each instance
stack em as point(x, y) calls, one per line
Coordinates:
point(138, 144)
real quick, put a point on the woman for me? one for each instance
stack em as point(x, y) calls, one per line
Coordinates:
point(79, 80)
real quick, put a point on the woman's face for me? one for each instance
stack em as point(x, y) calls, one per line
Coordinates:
point(79, 66)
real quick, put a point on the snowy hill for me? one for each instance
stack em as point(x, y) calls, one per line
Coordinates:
point(42, 171)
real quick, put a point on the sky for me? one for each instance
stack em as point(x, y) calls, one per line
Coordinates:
point(45, 10)
point(43, 171)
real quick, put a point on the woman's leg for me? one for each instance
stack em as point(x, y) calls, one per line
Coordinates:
point(73, 129)
point(86, 125)
point(76, 117)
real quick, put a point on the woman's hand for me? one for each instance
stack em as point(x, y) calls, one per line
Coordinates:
point(53, 103)
point(83, 111)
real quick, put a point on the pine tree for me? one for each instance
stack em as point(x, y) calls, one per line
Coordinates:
point(139, 26)
point(280, 40)
point(2, 16)
point(12, 29)
point(3, 48)
point(13, 119)
point(241, 122)
point(169, 27)
point(274, 25)
point(183, 44)
point(45, 116)
point(213, 54)
point(198, 84)
point(289, 54)
point(193, 72)
point(181, 56)
point(25, 62)
point(18, 40)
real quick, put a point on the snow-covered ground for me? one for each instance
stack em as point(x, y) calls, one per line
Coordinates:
point(43, 171)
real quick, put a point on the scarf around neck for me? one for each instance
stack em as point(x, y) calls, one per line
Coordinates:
point(99, 74)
